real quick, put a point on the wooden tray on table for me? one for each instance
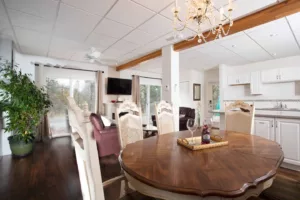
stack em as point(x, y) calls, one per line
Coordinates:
point(215, 141)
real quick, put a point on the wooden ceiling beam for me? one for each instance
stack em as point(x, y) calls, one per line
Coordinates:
point(266, 15)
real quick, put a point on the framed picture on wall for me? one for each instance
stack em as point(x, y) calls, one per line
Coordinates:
point(197, 92)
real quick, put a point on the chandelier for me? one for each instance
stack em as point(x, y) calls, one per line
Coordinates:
point(201, 13)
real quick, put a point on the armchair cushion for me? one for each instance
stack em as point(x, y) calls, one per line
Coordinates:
point(107, 138)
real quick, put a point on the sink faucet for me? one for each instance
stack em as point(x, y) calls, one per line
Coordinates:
point(279, 105)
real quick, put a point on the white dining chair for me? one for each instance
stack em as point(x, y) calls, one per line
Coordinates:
point(87, 154)
point(129, 118)
point(239, 117)
point(164, 118)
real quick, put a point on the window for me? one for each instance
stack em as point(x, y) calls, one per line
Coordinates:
point(150, 94)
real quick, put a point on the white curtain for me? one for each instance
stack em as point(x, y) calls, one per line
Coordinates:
point(43, 129)
point(136, 90)
point(99, 93)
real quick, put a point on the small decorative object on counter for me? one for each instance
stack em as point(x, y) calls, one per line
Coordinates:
point(205, 133)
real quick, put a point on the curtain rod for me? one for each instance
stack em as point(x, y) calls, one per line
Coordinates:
point(148, 77)
point(59, 67)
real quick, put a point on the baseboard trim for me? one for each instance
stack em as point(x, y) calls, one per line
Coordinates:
point(290, 166)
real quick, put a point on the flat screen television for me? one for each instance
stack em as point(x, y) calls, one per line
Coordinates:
point(119, 86)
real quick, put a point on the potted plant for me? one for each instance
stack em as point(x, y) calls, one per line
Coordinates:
point(24, 105)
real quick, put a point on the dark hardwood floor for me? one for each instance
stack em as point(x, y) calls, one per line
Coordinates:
point(50, 173)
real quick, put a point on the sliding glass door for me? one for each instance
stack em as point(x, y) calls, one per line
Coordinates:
point(150, 95)
point(59, 89)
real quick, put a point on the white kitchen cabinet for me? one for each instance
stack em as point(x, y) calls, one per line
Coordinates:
point(270, 76)
point(255, 84)
point(288, 74)
point(288, 136)
point(264, 127)
point(241, 79)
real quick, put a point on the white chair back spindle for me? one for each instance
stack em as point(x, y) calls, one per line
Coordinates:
point(130, 123)
point(164, 118)
point(86, 152)
point(239, 117)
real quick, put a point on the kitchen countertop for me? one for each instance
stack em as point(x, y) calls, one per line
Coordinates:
point(285, 114)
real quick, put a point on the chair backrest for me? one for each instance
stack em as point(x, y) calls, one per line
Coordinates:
point(130, 123)
point(164, 117)
point(239, 117)
point(86, 152)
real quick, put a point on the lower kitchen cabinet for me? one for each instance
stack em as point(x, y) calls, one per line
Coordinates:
point(288, 136)
point(264, 127)
point(286, 132)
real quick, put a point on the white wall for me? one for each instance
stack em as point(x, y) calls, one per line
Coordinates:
point(276, 91)
point(187, 78)
point(6, 55)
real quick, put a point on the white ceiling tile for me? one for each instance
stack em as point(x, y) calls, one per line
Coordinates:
point(155, 5)
point(74, 17)
point(28, 38)
point(129, 13)
point(167, 12)
point(276, 37)
point(80, 56)
point(60, 54)
point(113, 53)
point(295, 25)
point(246, 7)
point(113, 29)
point(34, 50)
point(4, 23)
point(99, 7)
point(158, 25)
point(160, 42)
point(245, 47)
point(100, 41)
point(66, 45)
point(2, 9)
point(139, 37)
point(125, 46)
point(220, 3)
point(41, 8)
point(28, 21)
point(71, 32)
point(220, 54)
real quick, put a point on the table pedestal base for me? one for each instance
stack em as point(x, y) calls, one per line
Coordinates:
point(163, 194)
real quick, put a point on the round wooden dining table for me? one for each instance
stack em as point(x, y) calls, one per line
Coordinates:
point(161, 168)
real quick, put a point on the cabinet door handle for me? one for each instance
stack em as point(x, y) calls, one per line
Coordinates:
point(262, 122)
point(276, 124)
point(280, 77)
point(277, 77)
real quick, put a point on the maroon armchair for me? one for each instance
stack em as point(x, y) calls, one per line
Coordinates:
point(107, 137)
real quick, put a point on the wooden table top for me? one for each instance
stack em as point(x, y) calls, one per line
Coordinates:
point(226, 171)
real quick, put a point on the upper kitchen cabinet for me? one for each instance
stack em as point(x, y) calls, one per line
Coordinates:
point(241, 79)
point(281, 75)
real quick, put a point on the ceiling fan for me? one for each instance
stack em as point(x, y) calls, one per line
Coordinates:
point(95, 56)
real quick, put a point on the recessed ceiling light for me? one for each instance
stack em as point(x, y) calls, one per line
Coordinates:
point(274, 54)
point(233, 46)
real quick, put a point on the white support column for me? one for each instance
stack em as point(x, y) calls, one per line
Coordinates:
point(170, 80)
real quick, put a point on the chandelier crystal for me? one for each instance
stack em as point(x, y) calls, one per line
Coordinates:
point(201, 14)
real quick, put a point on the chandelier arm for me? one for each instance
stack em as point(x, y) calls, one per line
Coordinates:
point(191, 38)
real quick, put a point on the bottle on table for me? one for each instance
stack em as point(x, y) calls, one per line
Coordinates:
point(206, 133)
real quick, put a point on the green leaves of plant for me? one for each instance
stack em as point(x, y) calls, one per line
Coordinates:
point(24, 102)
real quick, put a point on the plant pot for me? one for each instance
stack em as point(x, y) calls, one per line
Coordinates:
point(20, 148)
